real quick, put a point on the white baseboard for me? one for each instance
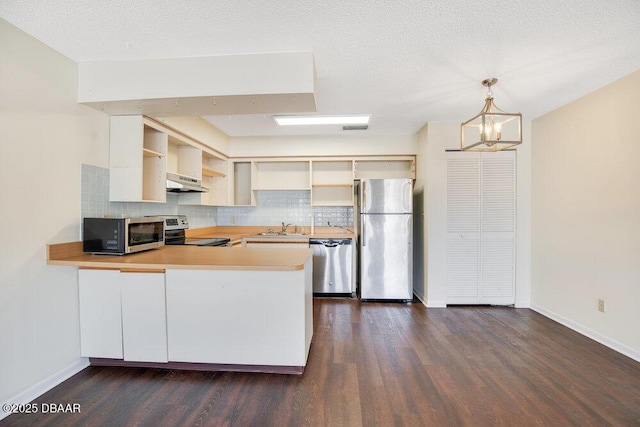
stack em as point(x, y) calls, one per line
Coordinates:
point(47, 384)
point(602, 339)
point(436, 304)
point(430, 304)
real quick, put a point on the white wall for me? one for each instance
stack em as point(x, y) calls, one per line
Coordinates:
point(420, 219)
point(443, 136)
point(440, 137)
point(356, 143)
point(586, 215)
point(44, 138)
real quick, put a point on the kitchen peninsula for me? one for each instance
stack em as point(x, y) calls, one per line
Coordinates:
point(205, 308)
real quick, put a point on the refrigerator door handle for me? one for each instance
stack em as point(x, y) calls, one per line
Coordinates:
point(362, 231)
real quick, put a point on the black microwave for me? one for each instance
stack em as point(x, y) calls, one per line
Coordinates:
point(120, 236)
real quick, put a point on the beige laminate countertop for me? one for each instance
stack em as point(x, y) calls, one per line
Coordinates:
point(237, 233)
point(201, 257)
point(183, 257)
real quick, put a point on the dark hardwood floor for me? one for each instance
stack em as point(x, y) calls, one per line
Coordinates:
point(381, 364)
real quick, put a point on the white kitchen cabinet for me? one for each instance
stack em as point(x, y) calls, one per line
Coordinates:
point(123, 315)
point(100, 314)
point(142, 151)
point(213, 171)
point(243, 173)
point(285, 175)
point(332, 183)
point(250, 176)
point(330, 180)
point(183, 159)
point(144, 316)
point(138, 166)
point(385, 168)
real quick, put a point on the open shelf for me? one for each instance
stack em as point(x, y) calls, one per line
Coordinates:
point(150, 153)
point(213, 173)
point(349, 184)
point(385, 169)
point(332, 183)
point(282, 175)
point(139, 163)
point(332, 195)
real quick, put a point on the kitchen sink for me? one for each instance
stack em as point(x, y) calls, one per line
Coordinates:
point(280, 233)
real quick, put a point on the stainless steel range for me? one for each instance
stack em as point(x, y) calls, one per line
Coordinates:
point(174, 233)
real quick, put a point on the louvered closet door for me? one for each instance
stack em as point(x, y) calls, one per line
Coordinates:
point(463, 227)
point(497, 226)
point(481, 228)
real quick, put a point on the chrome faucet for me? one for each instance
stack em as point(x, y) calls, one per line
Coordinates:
point(339, 226)
point(284, 227)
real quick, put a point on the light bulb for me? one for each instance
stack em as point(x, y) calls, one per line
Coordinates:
point(498, 127)
point(487, 130)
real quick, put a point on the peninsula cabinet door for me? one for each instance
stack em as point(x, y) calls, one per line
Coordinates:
point(100, 314)
point(123, 315)
point(144, 317)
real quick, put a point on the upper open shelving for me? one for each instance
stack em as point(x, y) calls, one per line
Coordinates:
point(150, 153)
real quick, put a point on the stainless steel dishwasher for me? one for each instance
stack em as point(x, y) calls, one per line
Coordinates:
point(332, 266)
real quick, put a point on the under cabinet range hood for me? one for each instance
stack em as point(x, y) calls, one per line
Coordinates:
point(177, 183)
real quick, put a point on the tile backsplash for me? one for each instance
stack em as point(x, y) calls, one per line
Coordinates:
point(94, 188)
point(94, 201)
point(273, 207)
point(291, 206)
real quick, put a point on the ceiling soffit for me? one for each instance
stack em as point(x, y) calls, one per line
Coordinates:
point(217, 85)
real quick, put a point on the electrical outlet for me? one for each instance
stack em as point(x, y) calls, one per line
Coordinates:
point(233, 220)
point(601, 305)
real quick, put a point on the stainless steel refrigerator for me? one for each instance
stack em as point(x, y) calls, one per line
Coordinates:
point(385, 239)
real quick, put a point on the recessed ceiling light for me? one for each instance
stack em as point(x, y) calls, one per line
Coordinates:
point(355, 127)
point(322, 120)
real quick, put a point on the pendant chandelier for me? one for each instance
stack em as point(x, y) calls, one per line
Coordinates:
point(492, 129)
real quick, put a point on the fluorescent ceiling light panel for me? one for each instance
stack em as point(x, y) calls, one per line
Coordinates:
point(321, 120)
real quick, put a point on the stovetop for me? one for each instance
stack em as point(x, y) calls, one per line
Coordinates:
point(219, 241)
point(174, 233)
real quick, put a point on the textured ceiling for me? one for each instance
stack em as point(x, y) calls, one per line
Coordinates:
point(404, 62)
